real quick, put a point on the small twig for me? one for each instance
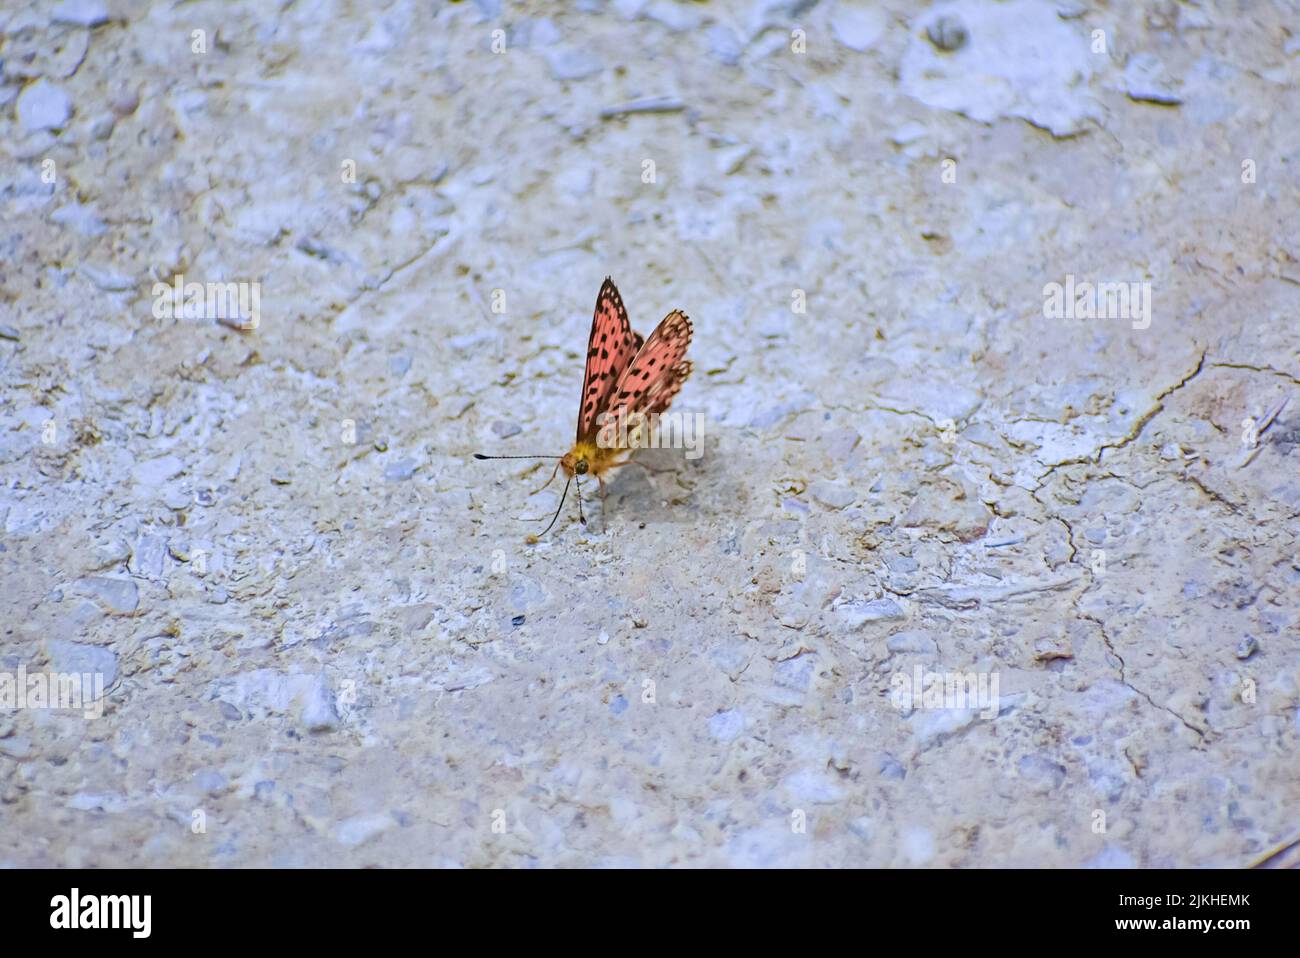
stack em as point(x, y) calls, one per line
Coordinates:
point(1277, 853)
point(652, 104)
point(1270, 416)
point(1264, 422)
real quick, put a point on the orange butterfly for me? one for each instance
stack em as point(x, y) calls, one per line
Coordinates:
point(627, 380)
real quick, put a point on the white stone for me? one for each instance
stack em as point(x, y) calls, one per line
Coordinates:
point(858, 28)
point(573, 64)
point(43, 106)
point(151, 472)
point(726, 726)
point(1020, 60)
point(832, 495)
point(82, 13)
point(856, 614)
point(362, 828)
point(65, 656)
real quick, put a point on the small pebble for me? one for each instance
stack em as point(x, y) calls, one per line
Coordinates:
point(81, 658)
point(126, 102)
point(857, 29)
point(318, 713)
point(81, 13)
point(1145, 80)
point(210, 780)
point(43, 106)
point(517, 621)
point(832, 495)
point(82, 219)
point(400, 471)
point(573, 64)
point(724, 45)
point(102, 128)
point(176, 499)
point(855, 615)
point(118, 595)
point(155, 471)
point(947, 33)
point(890, 767)
point(726, 726)
point(913, 641)
point(108, 554)
point(107, 279)
point(1246, 647)
point(677, 17)
point(362, 828)
point(147, 556)
point(908, 133)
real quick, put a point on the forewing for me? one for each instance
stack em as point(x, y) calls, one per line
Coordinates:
point(609, 350)
point(656, 373)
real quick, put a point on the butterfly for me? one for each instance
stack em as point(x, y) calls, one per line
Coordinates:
point(627, 380)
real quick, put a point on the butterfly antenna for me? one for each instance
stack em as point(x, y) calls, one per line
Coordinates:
point(581, 517)
point(479, 455)
point(558, 508)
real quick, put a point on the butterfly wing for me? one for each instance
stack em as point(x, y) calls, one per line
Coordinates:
point(609, 350)
point(657, 371)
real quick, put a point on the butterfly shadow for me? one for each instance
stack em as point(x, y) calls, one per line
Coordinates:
point(663, 487)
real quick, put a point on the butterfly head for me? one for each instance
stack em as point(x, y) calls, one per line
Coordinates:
point(582, 459)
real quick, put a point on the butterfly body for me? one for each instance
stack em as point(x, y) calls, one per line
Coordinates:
point(588, 458)
point(628, 380)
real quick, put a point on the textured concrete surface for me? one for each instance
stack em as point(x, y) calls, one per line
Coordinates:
point(324, 635)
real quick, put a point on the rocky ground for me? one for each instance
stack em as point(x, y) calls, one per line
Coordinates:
point(326, 637)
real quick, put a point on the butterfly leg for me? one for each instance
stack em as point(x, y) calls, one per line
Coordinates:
point(548, 481)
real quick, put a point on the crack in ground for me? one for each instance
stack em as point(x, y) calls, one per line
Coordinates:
point(878, 407)
point(374, 285)
point(1258, 369)
point(1074, 604)
point(1214, 496)
point(1123, 676)
point(1135, 432)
